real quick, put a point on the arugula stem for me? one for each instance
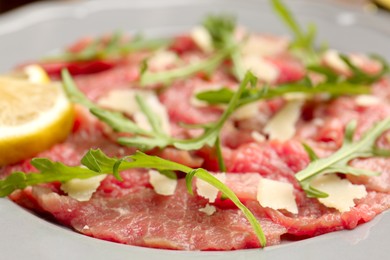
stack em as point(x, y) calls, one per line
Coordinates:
point(218, 150)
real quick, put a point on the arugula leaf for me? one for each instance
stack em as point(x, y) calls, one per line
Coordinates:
point(303, 43)
point(223, 95)
point(147, 140)
point(218, 150)
point(116, 120)
point(73, 93)
point(208, 65)
point(338, 161)
point(113, 47)
point(210, 135)
point(49, 172)
point(362, 77)
point(221, 29)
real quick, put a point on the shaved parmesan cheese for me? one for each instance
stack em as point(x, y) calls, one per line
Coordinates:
point(276, 195)
point(208, 209)
point(282, 125)
point(82, 189)
point(162, 184)
point(258, 137)
point(208, 191)
point(162, 59)
point(247, 111)
point(261, 68)
point(333, 60)
point(202, 38)
point(341, 192)
point(367, 100)
point(124, 100)
point(259, 45)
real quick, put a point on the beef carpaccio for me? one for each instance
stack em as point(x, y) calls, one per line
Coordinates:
point(262, 143)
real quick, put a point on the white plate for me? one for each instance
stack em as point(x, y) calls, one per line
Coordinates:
point(31, 32)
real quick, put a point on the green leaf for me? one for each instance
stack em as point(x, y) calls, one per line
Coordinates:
point(144, 140)
point(115, 47)
point(220, 96)
point(49, 172)
point(170, 174)
point(287, 17)
point(218, 150)
point(312, 155)
point(73, 93)
point(97, 161)
point(153, 119)
point(223, 95)
point(15, 181)
point(338, 161)
point(331, 75)
point(221, 29)
point(361, 77)
point(167, 76)
point(303, 44)
point(189, 177)
point(117, 121)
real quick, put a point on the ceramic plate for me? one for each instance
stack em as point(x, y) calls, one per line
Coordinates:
point(31, 32)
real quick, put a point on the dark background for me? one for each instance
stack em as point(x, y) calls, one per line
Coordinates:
point(6, 5)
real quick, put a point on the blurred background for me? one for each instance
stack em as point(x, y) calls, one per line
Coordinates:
point(7, 5)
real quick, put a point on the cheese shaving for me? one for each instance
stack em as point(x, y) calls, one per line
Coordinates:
point(208, 209)
point(342, 192)
point(123, 100)
point(276, 195)
point(282, 125)
point(162, 60)
point(208, 191)
point(202, 38)
point(258, 137)
point(82, 189)
point(261, 68)
point(247, 111)
point(260, 45)
point(333, 60)
point(367, 100)
point(162, 184)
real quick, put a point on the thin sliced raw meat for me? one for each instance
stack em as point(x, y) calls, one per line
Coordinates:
point(379, 183)
point(147, 219)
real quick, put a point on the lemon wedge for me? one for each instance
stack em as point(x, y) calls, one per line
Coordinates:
point(34, 115)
